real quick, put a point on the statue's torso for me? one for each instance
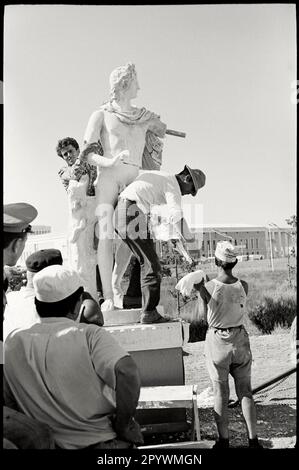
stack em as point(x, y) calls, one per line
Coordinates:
point(117, 136)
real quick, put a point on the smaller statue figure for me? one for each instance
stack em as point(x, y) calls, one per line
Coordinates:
point(78, 178)
point(77, 195)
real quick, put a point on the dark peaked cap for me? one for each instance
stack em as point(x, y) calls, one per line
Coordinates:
point(42, 259)
point(17, 217)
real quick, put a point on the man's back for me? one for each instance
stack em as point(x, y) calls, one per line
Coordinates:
point(60, 377)
point(226, 306)
point(154, 188)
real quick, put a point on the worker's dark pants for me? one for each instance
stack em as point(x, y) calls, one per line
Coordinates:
point(134, 287)
point(131, 224)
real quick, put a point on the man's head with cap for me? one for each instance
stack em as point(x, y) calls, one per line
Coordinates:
point(57, 291)
point(225, 255)
point(41, 259)
point(17, 218)
point(190, 180)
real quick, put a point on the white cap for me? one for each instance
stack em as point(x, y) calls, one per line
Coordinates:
point(225, 251)
point(55, 283)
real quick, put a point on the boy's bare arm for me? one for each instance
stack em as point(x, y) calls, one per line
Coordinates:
point(245, 286)
point(204, 294)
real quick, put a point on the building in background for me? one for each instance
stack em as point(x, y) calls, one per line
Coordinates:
point(40, 230)
point(41, 239)
point(250, 240)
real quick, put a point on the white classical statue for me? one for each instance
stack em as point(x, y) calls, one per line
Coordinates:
point(125, 133)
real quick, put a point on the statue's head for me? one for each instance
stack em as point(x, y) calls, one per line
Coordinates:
point(121, 79)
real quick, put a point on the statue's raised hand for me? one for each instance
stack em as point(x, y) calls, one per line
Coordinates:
point(119, 158)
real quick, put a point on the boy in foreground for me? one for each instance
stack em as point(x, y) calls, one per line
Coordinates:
point(227, 347)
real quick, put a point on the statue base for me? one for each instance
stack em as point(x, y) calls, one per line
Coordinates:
point(157, 349)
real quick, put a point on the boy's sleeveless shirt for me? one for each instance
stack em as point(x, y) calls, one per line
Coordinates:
point(226, 307)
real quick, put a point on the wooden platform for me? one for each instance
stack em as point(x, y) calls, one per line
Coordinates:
point(168, 397)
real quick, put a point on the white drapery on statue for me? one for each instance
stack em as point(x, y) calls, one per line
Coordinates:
point(82, 219)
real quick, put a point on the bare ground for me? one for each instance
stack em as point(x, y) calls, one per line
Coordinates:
point(276, 409)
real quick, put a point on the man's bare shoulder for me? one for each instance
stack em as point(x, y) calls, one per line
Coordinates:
point(209, 283)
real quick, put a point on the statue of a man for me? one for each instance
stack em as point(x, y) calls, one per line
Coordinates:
point(126, 133)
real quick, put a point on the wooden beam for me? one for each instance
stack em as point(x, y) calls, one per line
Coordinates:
point(175, 133)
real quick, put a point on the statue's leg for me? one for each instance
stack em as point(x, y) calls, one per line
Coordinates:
point(107, 197)
point(110, 184)
point(122, 259)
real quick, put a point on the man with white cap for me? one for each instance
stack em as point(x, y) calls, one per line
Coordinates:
point(21, 312)
point(227, 347)
point(89, 390)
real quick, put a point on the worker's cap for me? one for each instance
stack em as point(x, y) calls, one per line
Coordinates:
point(198, 178)
point(56, 283)
point(225, 251)
point(17, 217)
point(43, 258)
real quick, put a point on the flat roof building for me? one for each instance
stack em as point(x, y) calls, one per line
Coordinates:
point(250, 239)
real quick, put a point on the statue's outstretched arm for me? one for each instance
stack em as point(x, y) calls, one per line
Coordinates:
point(92, 149)
point(91, 155)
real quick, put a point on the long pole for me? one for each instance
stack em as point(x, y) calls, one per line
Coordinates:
point(177, 280)
point(267, 384)
point(271, 253)
point(175, 133)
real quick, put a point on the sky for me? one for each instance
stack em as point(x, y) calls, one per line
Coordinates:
point(223, 74)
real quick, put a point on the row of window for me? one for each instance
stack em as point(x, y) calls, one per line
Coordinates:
point(40, 232)
point(206, 255)
point(247, 244)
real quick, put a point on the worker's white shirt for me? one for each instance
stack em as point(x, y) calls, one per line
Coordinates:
point(20, 310)
point(62, 373)
point(152, 188)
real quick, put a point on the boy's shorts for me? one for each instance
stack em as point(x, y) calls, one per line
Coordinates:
point(228, 352)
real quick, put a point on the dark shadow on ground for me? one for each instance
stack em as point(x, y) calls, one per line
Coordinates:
point(274, 421)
